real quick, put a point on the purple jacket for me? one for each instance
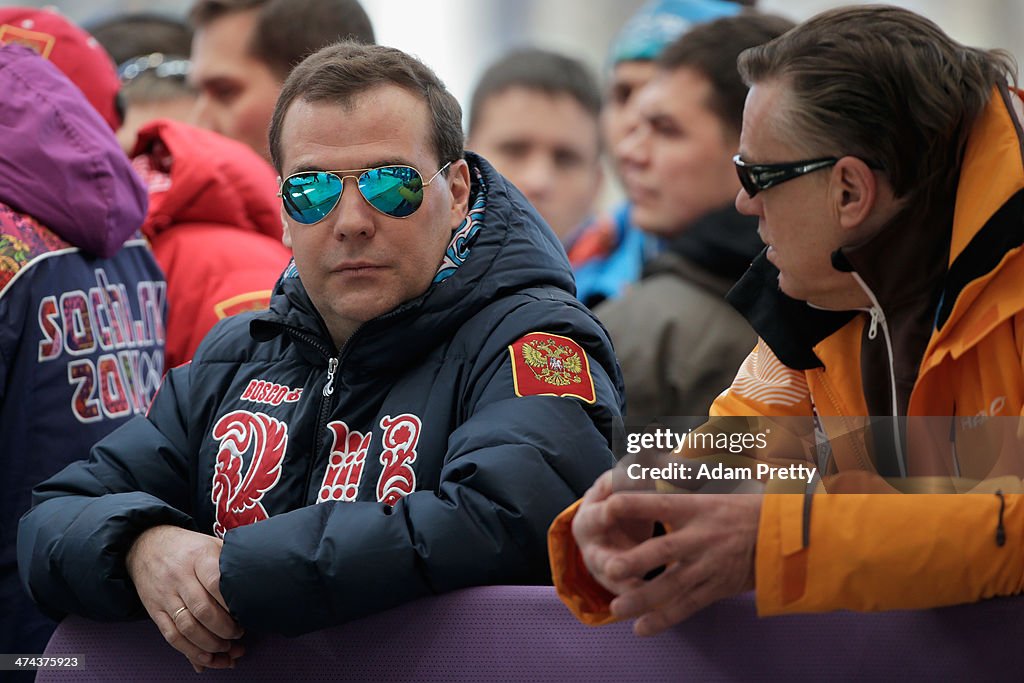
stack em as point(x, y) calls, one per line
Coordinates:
point(82, 300)
point(55, 145)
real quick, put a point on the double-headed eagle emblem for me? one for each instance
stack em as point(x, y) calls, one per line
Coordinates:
point(553, 363)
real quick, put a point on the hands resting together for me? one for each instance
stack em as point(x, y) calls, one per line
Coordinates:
point(707, 552)
point(177, 575)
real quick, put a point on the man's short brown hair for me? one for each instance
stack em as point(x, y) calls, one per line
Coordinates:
point(883, 84)
point(287, 31)
point(341, 72)
point(160, 45)
point(541, 71)
point(711, 50)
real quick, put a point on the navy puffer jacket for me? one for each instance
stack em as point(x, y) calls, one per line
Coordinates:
point(429, 460)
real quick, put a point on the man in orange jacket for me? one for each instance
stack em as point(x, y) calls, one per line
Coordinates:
point(884, 162)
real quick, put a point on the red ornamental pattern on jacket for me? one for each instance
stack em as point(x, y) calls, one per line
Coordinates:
point(397, 479)
point(345, 467)
point(236, 498)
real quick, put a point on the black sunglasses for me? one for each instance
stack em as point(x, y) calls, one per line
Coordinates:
point(758, 177)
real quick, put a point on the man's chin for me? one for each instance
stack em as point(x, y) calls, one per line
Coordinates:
point(654, 225)
point(793, 290)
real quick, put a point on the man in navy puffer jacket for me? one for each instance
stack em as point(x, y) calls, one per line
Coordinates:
point(424, 395)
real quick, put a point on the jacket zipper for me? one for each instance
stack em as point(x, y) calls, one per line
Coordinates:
point(326, 403)
point(334, 363)
point(325, 399)
point(878, 321)
point(332, 366)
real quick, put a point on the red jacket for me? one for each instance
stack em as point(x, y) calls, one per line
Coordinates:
point(215, 226)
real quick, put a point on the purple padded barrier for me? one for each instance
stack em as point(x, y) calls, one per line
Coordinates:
point(523, 633)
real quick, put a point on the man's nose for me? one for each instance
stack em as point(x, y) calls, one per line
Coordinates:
point(353, 217)
point(747, 205)
point(200, 116)
point(537, 179)
point(633, 150)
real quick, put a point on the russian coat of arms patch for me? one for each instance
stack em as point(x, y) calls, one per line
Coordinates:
point(545, 364)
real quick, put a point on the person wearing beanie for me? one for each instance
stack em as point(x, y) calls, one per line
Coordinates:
point(677, 338)
point(609, 254)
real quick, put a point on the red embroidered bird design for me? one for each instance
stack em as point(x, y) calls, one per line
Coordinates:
point(237, 499)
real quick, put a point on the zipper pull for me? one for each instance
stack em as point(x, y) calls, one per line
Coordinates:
point(876, 317)
point(1000, 529)
point(332, 366)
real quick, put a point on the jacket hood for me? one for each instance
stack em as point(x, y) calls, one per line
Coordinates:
point(57, 147)
point(512, 250)
point(198, 176)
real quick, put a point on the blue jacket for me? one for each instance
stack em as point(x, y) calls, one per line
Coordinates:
point(81, 301)
point(347, 482)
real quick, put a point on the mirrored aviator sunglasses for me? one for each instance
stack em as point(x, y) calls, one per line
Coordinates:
point(395, 191)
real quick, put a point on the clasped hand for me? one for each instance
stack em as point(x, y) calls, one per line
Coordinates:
point(174, 568)
point(707, 553)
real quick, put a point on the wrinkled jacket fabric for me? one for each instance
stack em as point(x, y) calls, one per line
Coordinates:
point(81, 301)
point(874, 552)
point(411, 469)
point(677, 338)
point(215, 225)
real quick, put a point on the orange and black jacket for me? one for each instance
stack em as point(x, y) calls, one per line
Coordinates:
point(874, 552)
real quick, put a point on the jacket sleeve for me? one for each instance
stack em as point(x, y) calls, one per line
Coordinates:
point(902, 552)
point(761, 378)
point(587, 599)
point(72, 543)
point(510, 466)
point(842, 551)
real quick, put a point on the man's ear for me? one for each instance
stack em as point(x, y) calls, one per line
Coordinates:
point(458, 185)
point(854, 192)
point(286, 232)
